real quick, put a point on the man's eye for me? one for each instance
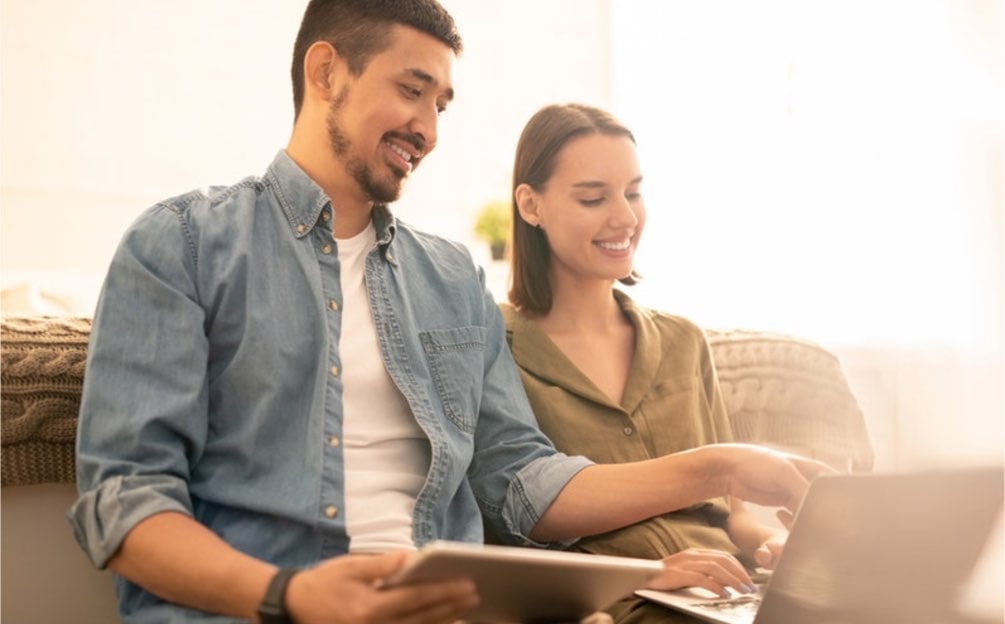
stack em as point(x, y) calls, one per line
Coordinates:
point(411, 92)
point(590, 203)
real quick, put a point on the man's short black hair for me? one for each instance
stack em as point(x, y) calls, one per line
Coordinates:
point(359, 29)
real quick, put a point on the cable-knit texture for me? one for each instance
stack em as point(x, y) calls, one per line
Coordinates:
point(41, 374)
point(791, 394)
point(779, 391)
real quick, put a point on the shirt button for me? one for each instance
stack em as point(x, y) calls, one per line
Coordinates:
point(331, 511)
point(301, 228)
point(326, 217)
point(333, 305)
point(334, 371)
point(327, 249)
point(333, 441)
point(628, 431)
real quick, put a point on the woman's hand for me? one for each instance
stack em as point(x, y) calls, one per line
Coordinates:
point(713, 570)
point(763, 543)
point(770, 550)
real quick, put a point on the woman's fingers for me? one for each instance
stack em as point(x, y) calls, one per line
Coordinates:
point(710, 569)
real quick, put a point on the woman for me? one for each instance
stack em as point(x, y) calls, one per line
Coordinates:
point(607, 378)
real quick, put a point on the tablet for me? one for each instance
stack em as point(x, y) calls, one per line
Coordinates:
point(527, 584)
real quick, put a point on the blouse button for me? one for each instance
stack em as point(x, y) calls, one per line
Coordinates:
point(628, 431)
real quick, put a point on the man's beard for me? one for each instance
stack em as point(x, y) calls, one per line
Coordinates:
point(382, 191)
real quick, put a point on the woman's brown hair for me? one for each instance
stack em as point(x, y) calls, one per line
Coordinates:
point(542, 140)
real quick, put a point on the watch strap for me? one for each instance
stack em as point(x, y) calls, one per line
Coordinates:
point(272, 609)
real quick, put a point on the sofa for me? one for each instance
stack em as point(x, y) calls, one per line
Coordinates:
point(780, 391)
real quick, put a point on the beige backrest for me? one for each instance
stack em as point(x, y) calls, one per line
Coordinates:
point(791, 394)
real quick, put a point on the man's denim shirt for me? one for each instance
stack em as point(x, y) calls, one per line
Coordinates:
point(213, 388)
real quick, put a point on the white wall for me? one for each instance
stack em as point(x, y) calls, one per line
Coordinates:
point(111, 105)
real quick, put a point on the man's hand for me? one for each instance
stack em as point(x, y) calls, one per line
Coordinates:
point(713, 570)
point(768, 477)
point(346, 589)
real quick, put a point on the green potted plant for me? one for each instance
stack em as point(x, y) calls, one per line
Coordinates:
point(492, 225)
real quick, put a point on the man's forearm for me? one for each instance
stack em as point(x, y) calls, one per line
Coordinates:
point(178, 559)
point(605, 497)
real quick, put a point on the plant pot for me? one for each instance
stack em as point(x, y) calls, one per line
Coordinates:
point(498, 250)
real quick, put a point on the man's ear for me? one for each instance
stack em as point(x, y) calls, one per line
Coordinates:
point(322, 64)
point(527, 204)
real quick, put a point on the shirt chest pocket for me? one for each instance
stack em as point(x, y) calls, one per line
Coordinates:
point(457, 365)
point(678, 415)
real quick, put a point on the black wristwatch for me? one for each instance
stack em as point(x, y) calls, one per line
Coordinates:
point(272, 609)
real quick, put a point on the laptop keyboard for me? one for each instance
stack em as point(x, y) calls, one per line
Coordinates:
point(740, 605)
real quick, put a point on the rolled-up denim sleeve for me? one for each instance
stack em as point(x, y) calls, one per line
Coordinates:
point(534, 488)
point(518, 472)
point(103, 515)
point(143, 416)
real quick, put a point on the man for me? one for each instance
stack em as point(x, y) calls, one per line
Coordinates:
point(284, 380)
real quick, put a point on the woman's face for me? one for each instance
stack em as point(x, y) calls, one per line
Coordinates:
point(591, 209)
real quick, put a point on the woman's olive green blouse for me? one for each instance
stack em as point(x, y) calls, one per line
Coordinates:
point(671, 403)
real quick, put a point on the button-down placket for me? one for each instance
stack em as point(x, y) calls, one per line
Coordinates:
point(332, 501)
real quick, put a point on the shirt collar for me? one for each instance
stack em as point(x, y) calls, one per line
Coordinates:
point(302, 200)
point(537, 354)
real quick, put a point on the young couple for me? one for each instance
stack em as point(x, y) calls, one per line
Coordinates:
point(287, 388)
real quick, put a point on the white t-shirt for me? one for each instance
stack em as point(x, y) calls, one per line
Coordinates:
point(387, 455)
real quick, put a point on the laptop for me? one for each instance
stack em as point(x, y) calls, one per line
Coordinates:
point(867, 549)
point(529, 585)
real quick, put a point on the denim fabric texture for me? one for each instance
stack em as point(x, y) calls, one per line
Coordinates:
point(212, 385)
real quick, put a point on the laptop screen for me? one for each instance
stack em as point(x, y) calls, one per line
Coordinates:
point(884, 547)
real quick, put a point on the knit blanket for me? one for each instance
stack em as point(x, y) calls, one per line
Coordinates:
point(41, 372)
